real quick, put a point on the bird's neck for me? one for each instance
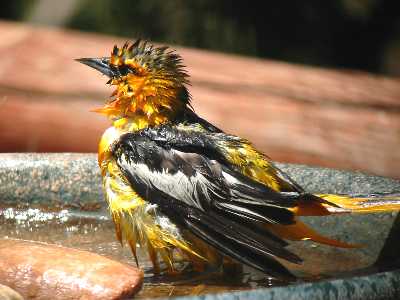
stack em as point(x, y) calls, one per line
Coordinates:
point(131, 122)
point(132, 111)
point(137, 122)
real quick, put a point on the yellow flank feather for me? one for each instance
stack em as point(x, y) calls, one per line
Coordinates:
point(137, 222)
point(255, 165)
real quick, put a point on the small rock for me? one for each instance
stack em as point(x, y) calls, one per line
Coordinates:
point(7, 293)
point(44, 271)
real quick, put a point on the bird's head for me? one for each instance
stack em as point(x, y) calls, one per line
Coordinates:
point(150, 82)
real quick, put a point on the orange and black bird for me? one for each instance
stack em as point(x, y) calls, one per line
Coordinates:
point(184, 189)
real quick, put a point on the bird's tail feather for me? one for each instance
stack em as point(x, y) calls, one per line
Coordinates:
point(362, 203)
point(301, 232)
point(328, 204)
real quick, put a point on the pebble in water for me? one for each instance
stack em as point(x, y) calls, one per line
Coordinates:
point(44, 271)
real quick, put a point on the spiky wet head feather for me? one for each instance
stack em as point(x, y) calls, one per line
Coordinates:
point(149, 80)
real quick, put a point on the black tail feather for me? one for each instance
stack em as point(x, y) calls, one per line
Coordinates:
point(232, 238)
point(237, 248)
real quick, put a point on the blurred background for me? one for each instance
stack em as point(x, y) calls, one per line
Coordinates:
point(313, 82)
point(360, 34)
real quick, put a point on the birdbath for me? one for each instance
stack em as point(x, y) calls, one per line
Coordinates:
point(65, 190)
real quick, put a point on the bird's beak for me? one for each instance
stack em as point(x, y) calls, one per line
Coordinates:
point(100, 64)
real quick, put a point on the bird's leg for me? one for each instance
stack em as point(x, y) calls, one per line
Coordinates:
point(153, 257)
point(231, 267)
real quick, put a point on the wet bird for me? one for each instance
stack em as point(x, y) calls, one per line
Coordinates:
point(187, 191)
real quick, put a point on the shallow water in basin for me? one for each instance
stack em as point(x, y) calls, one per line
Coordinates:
point(95, 233)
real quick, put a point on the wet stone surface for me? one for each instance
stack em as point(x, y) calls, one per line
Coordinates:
point(67, 180)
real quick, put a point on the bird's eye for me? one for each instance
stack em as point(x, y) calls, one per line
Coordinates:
point(114, 70)
point(123, 70)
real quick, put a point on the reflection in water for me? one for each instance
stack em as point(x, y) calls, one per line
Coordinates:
point(33, 215)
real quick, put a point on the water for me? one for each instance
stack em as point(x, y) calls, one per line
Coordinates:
point(93, 232)
point(88, 231)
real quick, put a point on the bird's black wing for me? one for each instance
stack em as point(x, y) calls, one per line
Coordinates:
point(197, 133)
point(212, 201)
point(205, 180)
